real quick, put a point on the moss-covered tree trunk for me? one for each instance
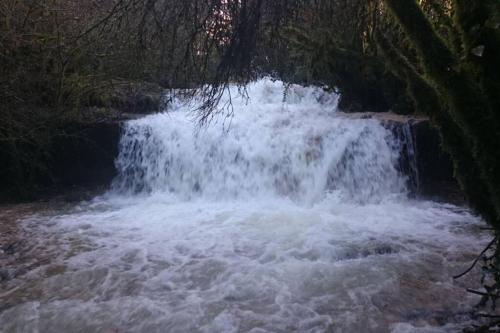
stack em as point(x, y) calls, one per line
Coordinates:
point(470, 117)
point(426, 101)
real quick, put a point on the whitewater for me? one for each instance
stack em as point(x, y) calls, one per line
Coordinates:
point(281, 215)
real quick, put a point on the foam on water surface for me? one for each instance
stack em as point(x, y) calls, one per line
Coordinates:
point(293, 220)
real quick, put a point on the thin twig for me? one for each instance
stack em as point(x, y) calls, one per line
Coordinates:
point(480, 293)
point(476, 260)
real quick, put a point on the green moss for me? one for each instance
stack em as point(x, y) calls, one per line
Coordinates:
point(466, 114)
point(427, 102)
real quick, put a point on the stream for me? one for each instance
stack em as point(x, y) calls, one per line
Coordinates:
point(284, 217)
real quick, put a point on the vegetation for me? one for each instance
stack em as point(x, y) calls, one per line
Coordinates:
point(62, 60)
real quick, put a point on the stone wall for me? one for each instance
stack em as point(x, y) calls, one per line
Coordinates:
point(86, 159)
point(435, 167)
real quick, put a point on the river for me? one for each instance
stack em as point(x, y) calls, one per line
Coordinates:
point(284, 217)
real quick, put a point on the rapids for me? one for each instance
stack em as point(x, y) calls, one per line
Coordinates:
point(285, 217)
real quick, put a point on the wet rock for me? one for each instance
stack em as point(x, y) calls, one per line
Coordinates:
point(435, 168)
point(384, 249)
point(86, 160)
point(81, 159)
point(379, 249)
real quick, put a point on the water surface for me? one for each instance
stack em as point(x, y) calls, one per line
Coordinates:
point(293, 220)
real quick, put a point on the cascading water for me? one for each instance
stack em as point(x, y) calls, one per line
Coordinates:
point(408, 154)
point(291, 219)
point(296, 147)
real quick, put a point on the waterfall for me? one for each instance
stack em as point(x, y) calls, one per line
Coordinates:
point(287, 217)
point(411, 155)
point(280, 142)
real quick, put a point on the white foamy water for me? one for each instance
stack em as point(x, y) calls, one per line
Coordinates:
point(293, 220)
point(276, 145)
